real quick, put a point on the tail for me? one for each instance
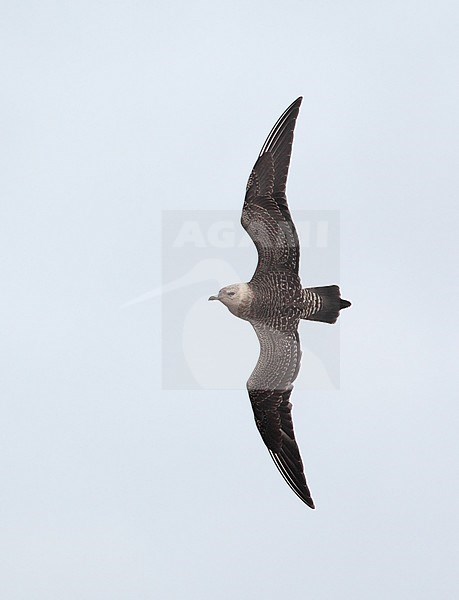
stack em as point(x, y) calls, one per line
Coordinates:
point(323, 303)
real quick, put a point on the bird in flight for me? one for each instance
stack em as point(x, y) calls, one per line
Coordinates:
point(274, 301)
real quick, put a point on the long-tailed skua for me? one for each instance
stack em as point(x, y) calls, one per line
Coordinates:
point(274, 301)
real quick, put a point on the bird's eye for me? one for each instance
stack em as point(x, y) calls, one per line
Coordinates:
point(231, 293)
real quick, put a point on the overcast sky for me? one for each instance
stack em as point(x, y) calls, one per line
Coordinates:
point(114, 488)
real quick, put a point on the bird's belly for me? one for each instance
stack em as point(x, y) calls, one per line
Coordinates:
point(278, 311)
point(277, 300)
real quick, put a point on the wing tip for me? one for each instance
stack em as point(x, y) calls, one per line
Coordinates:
point(309, 502)
point(281, 128)
point(306, 499)
point(302, 490)
point(295, 104)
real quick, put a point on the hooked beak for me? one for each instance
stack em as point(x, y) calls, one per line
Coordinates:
point(213, 298)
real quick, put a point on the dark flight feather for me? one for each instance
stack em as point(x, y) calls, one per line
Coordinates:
point(269, 387)
point(265, 215)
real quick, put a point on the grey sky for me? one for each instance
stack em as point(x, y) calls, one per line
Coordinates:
point(114, 111)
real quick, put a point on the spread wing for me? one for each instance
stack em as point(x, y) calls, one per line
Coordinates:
point(265, 215)
point(269, 387)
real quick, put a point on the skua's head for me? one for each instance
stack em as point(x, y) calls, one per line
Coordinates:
point(233, 296)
